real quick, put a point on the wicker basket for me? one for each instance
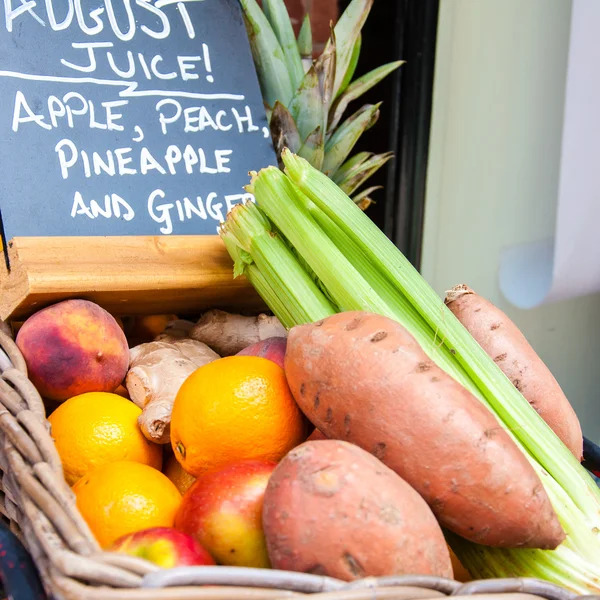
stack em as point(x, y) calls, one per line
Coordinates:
point(40, 508)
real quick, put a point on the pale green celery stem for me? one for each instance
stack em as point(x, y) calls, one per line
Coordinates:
point(580, 537)
point(560, 566)
point(275, 195)
point(274, 299)
point(402, 309)
point(305, 301)
point(504, 398)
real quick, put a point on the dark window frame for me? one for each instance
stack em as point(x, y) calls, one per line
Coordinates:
point(401, 30)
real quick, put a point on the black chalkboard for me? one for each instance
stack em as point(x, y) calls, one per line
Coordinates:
point(126, 117)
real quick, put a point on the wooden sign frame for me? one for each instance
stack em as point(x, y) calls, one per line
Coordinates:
point(126, 275)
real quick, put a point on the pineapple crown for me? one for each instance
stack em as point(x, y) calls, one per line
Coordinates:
point(306, 99)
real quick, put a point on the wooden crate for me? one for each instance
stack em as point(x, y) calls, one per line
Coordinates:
point(125, 275)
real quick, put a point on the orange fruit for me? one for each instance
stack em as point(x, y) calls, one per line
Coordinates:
point(176, 473)
point(124, 497)
point(232, 409)
point(96, 428)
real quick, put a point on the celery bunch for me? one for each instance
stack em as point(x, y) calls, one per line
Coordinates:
point(310, 252)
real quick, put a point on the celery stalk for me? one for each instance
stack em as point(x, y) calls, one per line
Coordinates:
point(243, 264)
point(504, 398)
point(323, 253)
point(580, 537)
point(280, 203)
point(298, 292)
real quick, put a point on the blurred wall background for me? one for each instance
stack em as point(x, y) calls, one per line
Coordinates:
point(493, 171)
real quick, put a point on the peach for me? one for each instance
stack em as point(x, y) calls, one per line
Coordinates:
point(272, 349)
point(73, 347)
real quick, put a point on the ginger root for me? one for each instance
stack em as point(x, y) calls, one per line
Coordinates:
point(228, 334)
point(157, 371)
point(175, 330)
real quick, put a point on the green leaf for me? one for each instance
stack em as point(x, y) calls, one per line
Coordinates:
point(347, 31)
point(373, 160)
point(313, 149)
point(305, 43)
point(325, 68)
point(352, 66)
point(284, 132)
point(307, 107)
point(357, 176)
point(340, 144)
point(365, 194)
point(356, 160)
point(358, 88)
point(271, 67)
point(278, 17)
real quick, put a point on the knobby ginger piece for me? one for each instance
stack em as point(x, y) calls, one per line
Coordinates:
point(228, 333)
point(157, 371)
point(175, 330)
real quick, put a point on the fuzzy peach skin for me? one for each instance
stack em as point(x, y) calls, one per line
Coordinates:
point(73, 347)
point(503, 341)
point(363, 378)
point(332, 508)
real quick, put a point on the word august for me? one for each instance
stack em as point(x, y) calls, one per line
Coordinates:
point(62, 14)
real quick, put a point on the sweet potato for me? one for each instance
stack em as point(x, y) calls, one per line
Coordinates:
point(502, 341)
point(333, 509)
point(363, 378)
point(315, 436)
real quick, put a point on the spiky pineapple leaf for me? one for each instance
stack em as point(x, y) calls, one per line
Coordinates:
point(371, 164)
point(354, 180)
point(356, 160)
point(279, 18)
point(352, 66)
point(271, 67)
point(347, 31)
point(366, 193)
point(358, 88)
point(284, 132)
point(307, 107)
point(325, 68)
point(343, 140)
point(305, 43)
point(313, 149)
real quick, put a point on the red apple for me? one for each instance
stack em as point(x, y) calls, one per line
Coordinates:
point(272, 349)
point(223, 511)
point(164, 546)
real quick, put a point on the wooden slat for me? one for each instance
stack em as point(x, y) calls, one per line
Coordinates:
point(125, 275)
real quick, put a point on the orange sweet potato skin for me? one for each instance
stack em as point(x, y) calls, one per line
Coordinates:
point(503, 341)
point(363, 378)
point(333, 509)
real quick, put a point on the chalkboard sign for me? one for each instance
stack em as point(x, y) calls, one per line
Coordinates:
point(126, 117)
